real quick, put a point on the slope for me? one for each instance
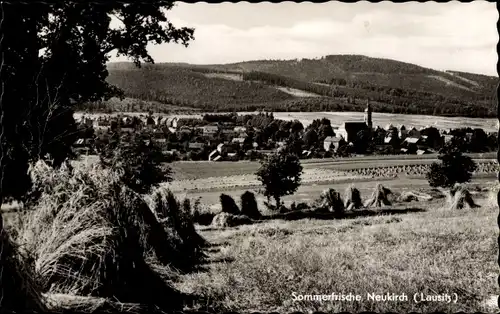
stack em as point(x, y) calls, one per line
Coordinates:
point(344, 82)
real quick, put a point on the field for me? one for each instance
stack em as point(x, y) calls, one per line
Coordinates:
point(383, 119)
point(207, 180)
point(258, 267)
point(403, 249)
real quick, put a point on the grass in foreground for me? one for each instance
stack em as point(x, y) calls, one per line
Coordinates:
point(258, 267)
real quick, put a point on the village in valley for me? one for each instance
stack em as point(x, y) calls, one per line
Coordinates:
point(225, 137)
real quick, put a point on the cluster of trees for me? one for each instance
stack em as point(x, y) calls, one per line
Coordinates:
point(185, 86)
point(54, 56)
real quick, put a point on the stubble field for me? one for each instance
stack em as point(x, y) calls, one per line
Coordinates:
point(258, 267)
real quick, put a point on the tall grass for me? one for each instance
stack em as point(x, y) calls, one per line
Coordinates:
point(90, 236)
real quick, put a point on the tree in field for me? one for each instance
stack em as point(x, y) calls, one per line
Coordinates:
point(453, 168)
point(54, 57)
point(280, 175)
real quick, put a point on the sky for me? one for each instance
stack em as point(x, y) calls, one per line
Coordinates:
point(443, 36)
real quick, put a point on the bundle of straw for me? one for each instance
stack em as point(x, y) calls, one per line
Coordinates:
point(89, 235)
point(379, 196)
point(352, 198)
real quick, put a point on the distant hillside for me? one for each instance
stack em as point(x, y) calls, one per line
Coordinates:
point(331, 83)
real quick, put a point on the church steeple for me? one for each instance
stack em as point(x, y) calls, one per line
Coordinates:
point(368, 115)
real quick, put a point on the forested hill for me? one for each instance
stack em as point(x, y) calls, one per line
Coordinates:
point(331, 83)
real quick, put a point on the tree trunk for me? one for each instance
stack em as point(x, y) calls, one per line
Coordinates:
point(278, 201)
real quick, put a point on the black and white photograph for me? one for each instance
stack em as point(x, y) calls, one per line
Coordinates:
point(174, 157)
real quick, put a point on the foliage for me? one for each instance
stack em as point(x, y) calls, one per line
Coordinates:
point(139, 160)
point(55, 58)
point(453, 168)
point(280, 174)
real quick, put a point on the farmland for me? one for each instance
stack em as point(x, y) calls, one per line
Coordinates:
point(257, 267)
point(208, 180)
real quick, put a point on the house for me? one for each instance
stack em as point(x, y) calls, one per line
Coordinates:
point(195, 145)
point(255, 145)
point(127, 129)
point(185, 129)
point(88, 122)
point(331, 142)
point(172, 130)
point(413, 132)
point(388, 127)
point(239, 140)
point(240, 129)
point(421, 152)
point(413, 140)
point(403, 132)
point(226, 130)
point(468, 136)
point(232, 156)
point(224, 149)
point(171, 122)
point(243, 135)
point(447, 138)
point(209, 129)
point(388, 139)
point(150, 121)
point(158, 120)
point(349, 130)
point(306, 153)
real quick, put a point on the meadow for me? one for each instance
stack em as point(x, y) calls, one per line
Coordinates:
point(258, 267)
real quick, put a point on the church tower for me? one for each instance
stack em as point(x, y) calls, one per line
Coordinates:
point(368, 115)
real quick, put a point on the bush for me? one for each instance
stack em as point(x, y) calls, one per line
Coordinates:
point(249, 205)
point(454, 168)
point(229, 205)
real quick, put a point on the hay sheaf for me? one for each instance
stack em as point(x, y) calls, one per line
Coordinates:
point(20, 293)
point(223, 220)
point(379, 197)
point(459, 197)
point(331, 201)
point(177, 220)
point(89, 235)
point(414, 196)
point(352, 198)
